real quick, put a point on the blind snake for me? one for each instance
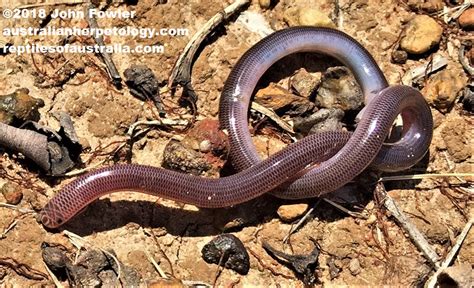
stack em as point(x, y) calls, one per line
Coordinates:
point(341, 155)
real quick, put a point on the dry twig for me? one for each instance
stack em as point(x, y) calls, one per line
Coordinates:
point(415, 235)
point(181, 73)
point(109, 63)
point(431, 283)
point(272, 115)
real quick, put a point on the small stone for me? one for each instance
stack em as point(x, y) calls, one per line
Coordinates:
point(314, 17)
point(19, 106)
point(441, 90)
point(421, 34)
point(228, 251)
point(265, 4)
point(12, 193)
point(354, 266)
point(279, 99)
point(430, 6)
point(305, 83)
point(205, 146)
point(468, 98)
point(291, 212)
point(322, 120)
point(399, 57)
point(339, 89)
point(466, 20)
point(207, 131)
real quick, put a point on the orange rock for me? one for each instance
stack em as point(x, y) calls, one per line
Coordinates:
point(466, 20)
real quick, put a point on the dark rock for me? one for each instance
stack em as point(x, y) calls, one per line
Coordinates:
point(468, 98)
point(399, 57)
point(12, 192)
point(339, 89)
point(321, 120)
point(228, 251)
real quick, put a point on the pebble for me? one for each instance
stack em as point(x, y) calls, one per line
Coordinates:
point(265, 4)
point(12, 193)
point(295, 16)
point(421, 34)
point(442, 88)
point(339, 89)
point(205, 136)
point(229, 251)
point(354, 266)
point(291, 212)
point(399, 57)
point(279, 99)
point(429, 6)
point(468, 98)
point(322, 120)
point(19, 106)
point(466, 20)
point(305, 83)
point(315, 17)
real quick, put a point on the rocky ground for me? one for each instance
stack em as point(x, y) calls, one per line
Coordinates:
point(311, 93)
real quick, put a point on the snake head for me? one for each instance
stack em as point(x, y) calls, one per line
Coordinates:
point(50, 216)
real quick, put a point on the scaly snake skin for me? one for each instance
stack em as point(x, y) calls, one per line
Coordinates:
point(342, 155)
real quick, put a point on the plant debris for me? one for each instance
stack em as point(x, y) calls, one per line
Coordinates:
point(93, 268)
point(143, 84)
point(304, 265)
point(55, 152)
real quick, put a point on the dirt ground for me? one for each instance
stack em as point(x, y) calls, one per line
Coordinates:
point(372, 250)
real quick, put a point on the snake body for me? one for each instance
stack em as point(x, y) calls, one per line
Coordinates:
point(342, 155)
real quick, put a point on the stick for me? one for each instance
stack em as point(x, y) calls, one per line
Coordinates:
point(80, 242)
point(272, 115)
point(53, 277)
point(181, 73)
point(431, 283)
point(422, 176)
point(70, 2)
point(157, 267)
point(415, 235)
point(351, 213)
point(302, 220)
point(109, 63)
